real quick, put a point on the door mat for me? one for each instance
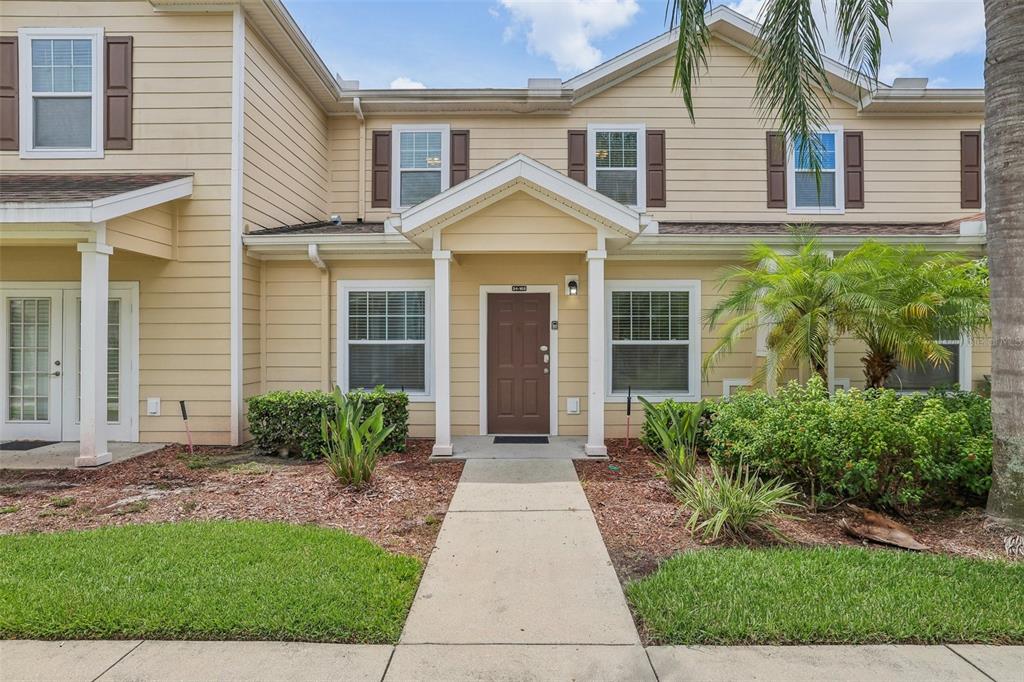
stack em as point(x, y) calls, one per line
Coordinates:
point(25, 444)
point(520, 440)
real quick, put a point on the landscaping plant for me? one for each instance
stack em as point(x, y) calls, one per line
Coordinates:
point(873, 447)
point(288, 422)
point(352, 442)
point(735, 502)
point(676, 428)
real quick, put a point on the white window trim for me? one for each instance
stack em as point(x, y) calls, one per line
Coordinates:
point(25, 96)
point(729, 386)
point(345, 287)
point(966, 378)
point(641, 156)
point(396, 157)
point(690, 285)
point(840, 207)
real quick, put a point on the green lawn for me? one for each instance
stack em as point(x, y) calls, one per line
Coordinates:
point(214, 580)
point(792, 596)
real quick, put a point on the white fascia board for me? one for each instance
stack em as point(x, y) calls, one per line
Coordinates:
point(519, 167)
point(98, 210)
point(719, 20)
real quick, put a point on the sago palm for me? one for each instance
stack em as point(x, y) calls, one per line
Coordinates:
point(792, 87)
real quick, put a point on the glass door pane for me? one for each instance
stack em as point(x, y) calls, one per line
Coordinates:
point(28, 385)
point(30, 364)
point(113, 361)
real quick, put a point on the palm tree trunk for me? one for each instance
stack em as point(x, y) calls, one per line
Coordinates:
point(878, 365)
point(1004, 207)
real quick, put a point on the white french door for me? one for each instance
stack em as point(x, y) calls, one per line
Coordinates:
point(39, 371)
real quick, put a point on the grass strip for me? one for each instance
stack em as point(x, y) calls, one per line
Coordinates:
point(207, 580)
point(829, 595)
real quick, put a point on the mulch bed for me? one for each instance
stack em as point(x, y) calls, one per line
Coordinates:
point(642, 525)
point(401, 509)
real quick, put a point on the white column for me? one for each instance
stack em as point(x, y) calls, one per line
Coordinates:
point(442, 355)
point(92, 447)
point(596, 350)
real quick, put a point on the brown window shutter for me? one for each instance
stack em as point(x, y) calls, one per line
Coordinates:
point(656, 168)
point(578, 155)
point(776, 170)
point(970, 169)
point(9, 92)
point(117, 86)
point(459, 156)
point(381, 170)
point(853, 158)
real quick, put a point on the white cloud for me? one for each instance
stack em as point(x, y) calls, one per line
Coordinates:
point(403, 83)
point(564, 30)
point(924, 32)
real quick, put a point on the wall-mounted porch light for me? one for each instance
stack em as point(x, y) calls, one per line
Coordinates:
point(572, 285)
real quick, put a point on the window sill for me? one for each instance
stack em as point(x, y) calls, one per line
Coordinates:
point(61, 154)
point(654, 397)
point(815, 211)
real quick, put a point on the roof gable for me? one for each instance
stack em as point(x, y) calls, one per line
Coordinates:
point(520, 173)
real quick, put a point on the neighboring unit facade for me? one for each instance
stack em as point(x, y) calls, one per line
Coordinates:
point(517, 260)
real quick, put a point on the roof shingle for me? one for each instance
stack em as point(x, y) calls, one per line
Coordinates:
point(47, 188)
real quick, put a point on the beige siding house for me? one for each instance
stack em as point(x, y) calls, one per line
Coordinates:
point(193, 208)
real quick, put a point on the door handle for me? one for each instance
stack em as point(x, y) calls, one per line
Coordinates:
point(547, 358)
point(55, 374)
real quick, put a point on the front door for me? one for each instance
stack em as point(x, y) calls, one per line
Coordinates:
point(39, 371)
point(518, 363)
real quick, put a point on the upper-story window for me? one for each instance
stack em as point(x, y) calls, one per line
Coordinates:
point(823, 194)
point(60, 99)
point(617, 162)
point(421, 159)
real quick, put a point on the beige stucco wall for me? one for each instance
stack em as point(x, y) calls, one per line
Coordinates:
point(716, 167)
point(182, 122)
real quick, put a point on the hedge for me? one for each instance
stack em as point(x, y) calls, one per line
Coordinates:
point(288, 422)
point(875, 447)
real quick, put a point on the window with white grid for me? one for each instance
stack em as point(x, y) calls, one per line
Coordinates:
point(386, 338)
point(653, 344)
point(616, 166)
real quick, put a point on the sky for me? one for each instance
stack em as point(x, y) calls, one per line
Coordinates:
point(501, 43)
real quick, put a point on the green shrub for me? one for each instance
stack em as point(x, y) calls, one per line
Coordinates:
point(649, 436)
point(396, 414)
point(676, 427)
point(735, 502)
point(876, 447)
point(288, 422)
point(352, 443)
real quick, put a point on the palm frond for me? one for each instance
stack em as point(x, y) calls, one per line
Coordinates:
point(692, 46)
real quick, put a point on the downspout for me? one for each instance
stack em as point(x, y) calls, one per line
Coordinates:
point(361, 207)
point(313, 251)
point(235, 209)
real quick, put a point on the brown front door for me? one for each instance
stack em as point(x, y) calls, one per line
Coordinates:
point(518, 386)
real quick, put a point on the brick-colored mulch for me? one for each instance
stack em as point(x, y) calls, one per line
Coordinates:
point(401, 509)
point(642, 525)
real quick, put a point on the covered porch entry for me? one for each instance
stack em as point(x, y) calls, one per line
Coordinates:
point(69, 369)
point(519, 304)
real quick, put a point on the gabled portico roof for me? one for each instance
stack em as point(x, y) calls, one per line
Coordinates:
point(520, 173)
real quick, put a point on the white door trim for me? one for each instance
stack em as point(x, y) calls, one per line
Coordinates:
point(130, 382)
point(552, 290)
